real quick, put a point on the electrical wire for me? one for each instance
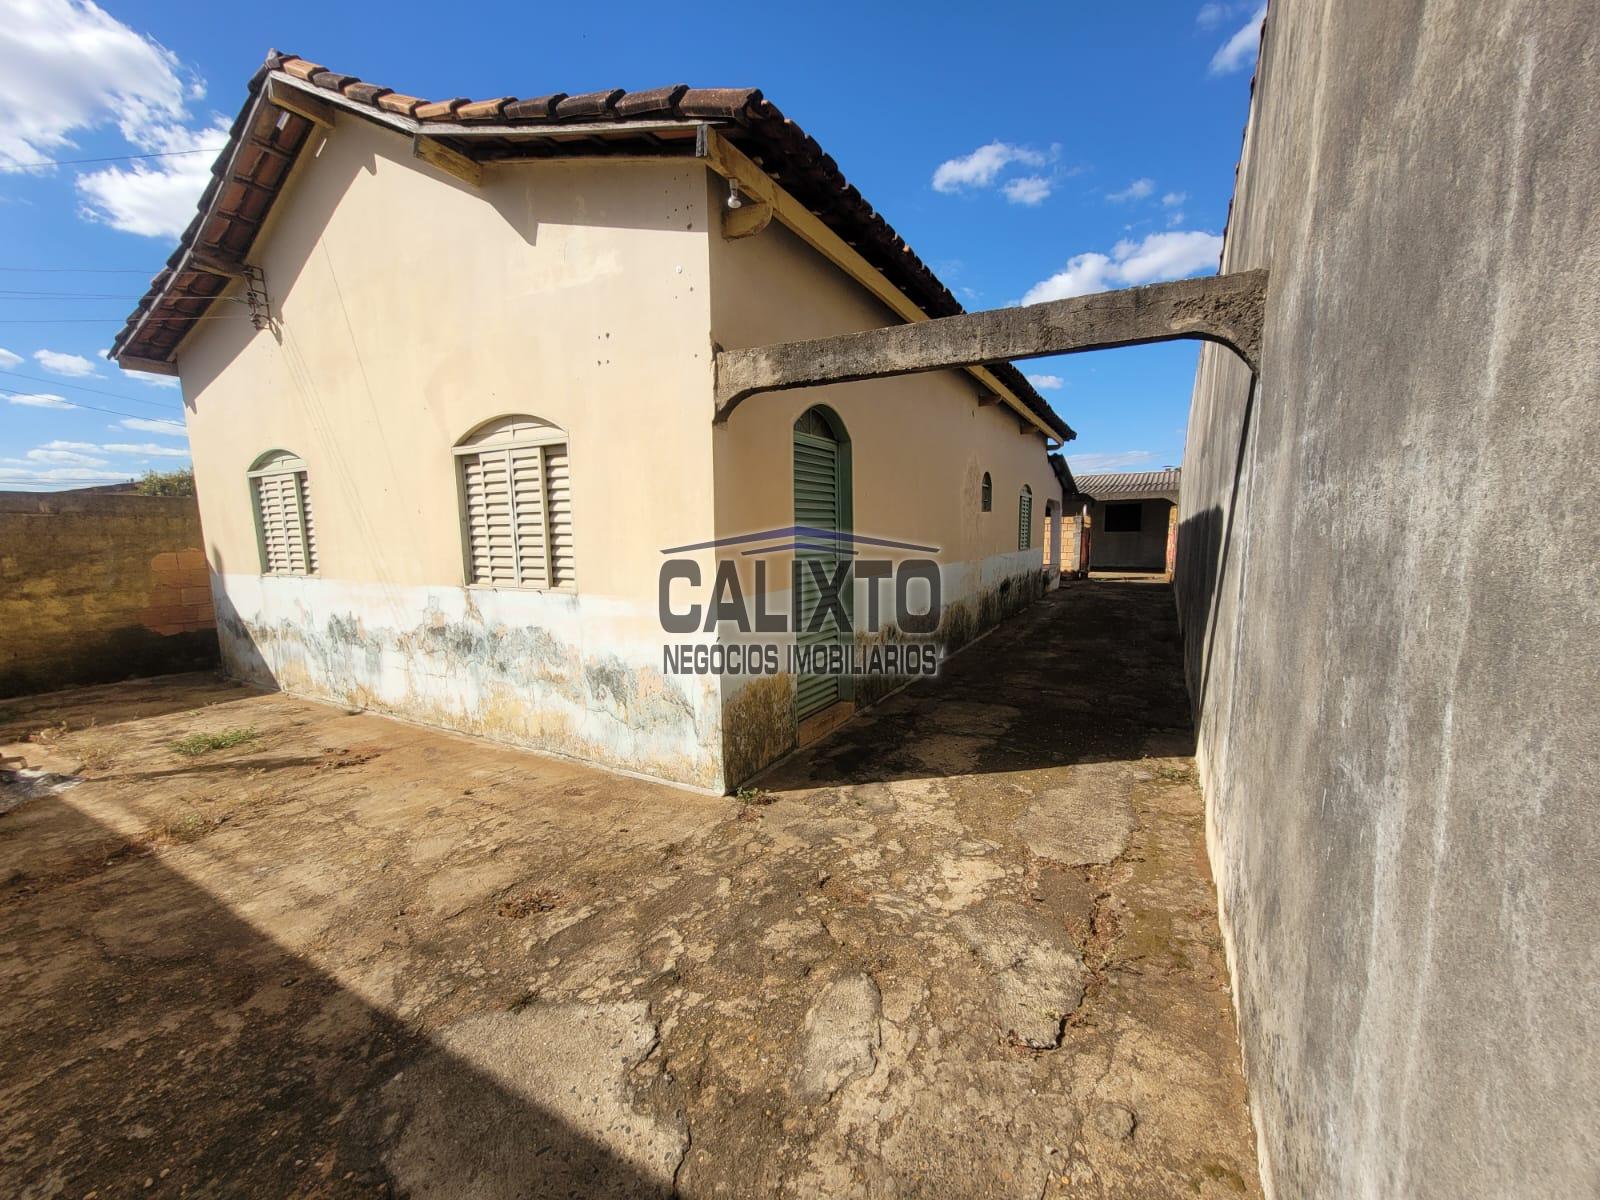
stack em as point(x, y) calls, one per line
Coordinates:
point(8, 392)
point(78, 387)
point(78, 162)
point(82, 271)
point(123, 319)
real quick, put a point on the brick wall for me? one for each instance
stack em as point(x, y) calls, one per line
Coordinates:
point(96, 588)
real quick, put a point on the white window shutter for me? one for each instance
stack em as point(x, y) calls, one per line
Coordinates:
point(517, 499)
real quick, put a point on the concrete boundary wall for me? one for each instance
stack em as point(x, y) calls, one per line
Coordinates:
point(1389, 564)
point(97, 587)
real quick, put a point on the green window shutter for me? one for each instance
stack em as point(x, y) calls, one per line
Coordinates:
point(817, 506)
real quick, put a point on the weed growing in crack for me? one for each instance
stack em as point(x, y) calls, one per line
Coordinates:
point(203, 743)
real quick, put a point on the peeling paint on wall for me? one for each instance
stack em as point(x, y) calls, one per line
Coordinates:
point(566, 674)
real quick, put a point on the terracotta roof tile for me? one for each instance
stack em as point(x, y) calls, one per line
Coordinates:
point(302, 69)
point(484, 110)
point(712, 103)
point(365, 93)
point(589, 104)
point(657, 102)
point(260, 153)
point(332, 80)
point(540, 108)
point(397, 102)
point(438, 110)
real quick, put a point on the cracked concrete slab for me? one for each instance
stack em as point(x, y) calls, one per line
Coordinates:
point(1087, 820)
point(840, 1038)
point(548, 1100)
point(354, 958)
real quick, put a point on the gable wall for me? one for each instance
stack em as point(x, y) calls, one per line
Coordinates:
point(411, 307)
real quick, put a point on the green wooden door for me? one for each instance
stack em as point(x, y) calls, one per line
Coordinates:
point(817, 505)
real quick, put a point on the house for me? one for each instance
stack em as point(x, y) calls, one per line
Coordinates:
point(1133, 520)
point(448, 369)
point(1074, 535)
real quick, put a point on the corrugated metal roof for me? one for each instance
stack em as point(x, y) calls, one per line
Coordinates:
point(1129, 483)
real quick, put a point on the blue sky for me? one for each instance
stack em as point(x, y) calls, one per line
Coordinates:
point(1026, 151)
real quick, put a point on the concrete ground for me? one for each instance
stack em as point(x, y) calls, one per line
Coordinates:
point(967, 946)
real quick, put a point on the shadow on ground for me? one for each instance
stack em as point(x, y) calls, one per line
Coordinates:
point(1092, 673)
point(168, 1046)
point(967, 947)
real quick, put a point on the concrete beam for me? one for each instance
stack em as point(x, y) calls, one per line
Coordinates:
point(1226, 309)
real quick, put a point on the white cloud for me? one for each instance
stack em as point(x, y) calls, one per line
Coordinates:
point(68, 66)
point(8, 359)
point(154, 200)
point(157, 381)
point(1092, 464)
point(1160, 256)
point(59, 445)
point(74, 366)
point(983, 166)
point(1027, 189)
point(1173, 199)
point(65, 457)
point(147, 449)
point(59, 475)
point(1137, 190)
point(1047, 383)
point(40, 400)
point(152, 425)
point(1240, 50)
point(1217, 11)
point(1175, 219)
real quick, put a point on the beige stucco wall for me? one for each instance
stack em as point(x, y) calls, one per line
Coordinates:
point(410, 308)
point(919, 445)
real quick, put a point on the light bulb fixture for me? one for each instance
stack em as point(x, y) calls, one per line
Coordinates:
point(734, 199)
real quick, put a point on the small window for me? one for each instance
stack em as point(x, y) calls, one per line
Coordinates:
point(988, 493)
point(516, 505)
point(1025, 518)
point(281, 492)
point(1124, 518)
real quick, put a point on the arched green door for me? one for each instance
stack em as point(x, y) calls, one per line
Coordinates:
point(822, 502)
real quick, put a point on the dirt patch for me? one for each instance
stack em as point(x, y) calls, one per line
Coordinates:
point(348, 956)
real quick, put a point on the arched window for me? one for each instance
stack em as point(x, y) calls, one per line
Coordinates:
point(281, 494)
point(1025, 518)
point(988, 493)
point(516, 504)
point(822, 507)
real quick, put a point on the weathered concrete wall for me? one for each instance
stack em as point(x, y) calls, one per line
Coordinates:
point(1388, 582)
point(920, 445)
point(412, 308)
point(100, 587)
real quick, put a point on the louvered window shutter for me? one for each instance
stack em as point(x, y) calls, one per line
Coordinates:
point(518, 516)
point(283, 517)
point(1025, 520)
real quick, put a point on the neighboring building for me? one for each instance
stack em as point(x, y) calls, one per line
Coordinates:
point(1133, 520)
point(1074, 536)
point(459, 401)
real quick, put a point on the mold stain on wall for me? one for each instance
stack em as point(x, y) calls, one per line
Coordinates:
point(475, 673)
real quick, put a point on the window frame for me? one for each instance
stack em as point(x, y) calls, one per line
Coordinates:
point(986, 494)
point(1120, 507)
point(1025, 529)
point(270, 465)
point(482, 440)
